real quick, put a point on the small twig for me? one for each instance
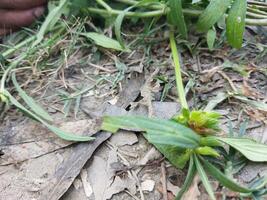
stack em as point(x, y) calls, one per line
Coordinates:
point(102, 68)
point(228, 79)
point(163, 181)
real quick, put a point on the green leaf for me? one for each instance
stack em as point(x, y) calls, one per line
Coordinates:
point(204, 178)
point(220, 97)
point(235, 23)
point(51, 19)
point(104, 41)
point(30, 101)
point(62, 134)
point(212, 14)
point(207, 151)
point(211, 37)
point(113, 124)
point(177, 156)
point(257, 104)
point(120, 17)
point(118, 24)
point(251, 149)
point(170, 138)
point(188, 180)
point(222, 178)
point(176, 17)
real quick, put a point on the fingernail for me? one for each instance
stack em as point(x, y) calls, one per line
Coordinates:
point(38, 11)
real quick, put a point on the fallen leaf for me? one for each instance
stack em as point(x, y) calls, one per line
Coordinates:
point(86, 185)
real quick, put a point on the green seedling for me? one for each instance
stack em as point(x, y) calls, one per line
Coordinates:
point(191, 137)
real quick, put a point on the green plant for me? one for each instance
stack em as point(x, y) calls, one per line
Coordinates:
point(190, 137)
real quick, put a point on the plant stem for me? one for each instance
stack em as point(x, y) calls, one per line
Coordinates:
point(128, 14)
point(158, 13)
point(18, 46)
point(104, 5)
point(178, 74)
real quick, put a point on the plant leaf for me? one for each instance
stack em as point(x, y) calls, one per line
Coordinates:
point(104, 41)
point(30, 101)
point(204, 178)
point(50, 20)
point(222, 178)
point(176, 17)
point(235, 23)
point(120, 17)
point(211, 37)
point(113, 124)
point(257, 104)
point(170, 138)
point(189, 178)
point(251, 149)
point(177, 156)
point(62, 134)
point(213, 13)
point(220, 97)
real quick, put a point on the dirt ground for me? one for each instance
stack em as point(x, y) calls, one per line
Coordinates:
point(35, 164)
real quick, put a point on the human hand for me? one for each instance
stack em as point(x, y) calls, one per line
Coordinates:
point(18, 13)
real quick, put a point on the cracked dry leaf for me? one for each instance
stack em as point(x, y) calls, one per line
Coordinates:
point(108, 185)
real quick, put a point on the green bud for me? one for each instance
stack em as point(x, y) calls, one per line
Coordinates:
point(207, 151)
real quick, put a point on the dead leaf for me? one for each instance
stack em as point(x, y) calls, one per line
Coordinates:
point(123, 138)
point(86, 185)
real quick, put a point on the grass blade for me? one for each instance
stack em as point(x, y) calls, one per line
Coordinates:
point(257, 104)
point(62, 134)
point(50, 20)
point(30, 101)
point(188, 180)
point(211, 37)
point(120, 17)
point(235, 23)
point(204, 178)
point(212, 14)
point(222, 178)
point(176, 17)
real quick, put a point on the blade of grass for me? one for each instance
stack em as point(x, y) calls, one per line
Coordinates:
point(176, 17)
point(222, 178)
point(50, 21)
point(189, 178)
point(30, 101)
point(121, 16)
point(62, 134)
point(178, 74)
point(204, 178)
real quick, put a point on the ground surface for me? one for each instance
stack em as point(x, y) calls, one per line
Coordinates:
point(35, 164)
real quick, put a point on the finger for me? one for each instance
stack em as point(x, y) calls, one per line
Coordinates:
point(19, 18)
point(21, 4)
